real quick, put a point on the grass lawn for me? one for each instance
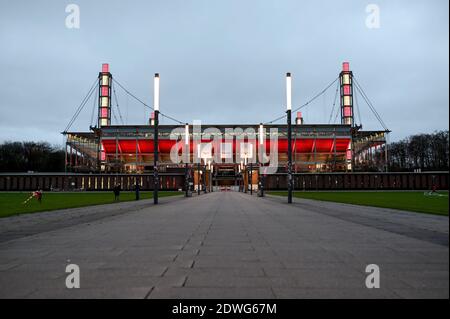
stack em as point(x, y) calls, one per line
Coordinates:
point(12, 203)
point(412, 201)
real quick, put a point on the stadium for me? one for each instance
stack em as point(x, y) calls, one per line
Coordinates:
point(111, 148)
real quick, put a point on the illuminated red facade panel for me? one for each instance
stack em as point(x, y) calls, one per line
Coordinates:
point(104, 96)
point(347, 90)
point(307, 145)
point(105, 91)
point(347, 111)
point(346, 84)
point(349, 154)
point(345, 66)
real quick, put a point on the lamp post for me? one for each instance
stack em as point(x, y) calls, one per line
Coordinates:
point(198, 177)
point(251, 178)
point(155, 138)
point(187, 150)
point(261, 157)
point(204, 174)
point(241, 178)
point(288, 113)
point(209, 175)
point(211, 183)
point(251, 174)
point(246, 171)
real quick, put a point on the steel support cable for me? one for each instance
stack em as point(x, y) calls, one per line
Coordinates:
point(365, 98)
point(171, 118)
point(114, 115)
point(112, 107)
point(369, 103)
point(117, 102)
point(81, 106)
point(338, 111)
point(334, 103)
point(132, 95)
point(377, 116)
point(355, 97)
point(145, 104)
point(93, 110)
point(277, 119)
point(316, 96)
point(79, 109)
point(307, 103)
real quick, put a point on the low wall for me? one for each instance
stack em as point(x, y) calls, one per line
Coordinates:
point(354, 181)
point(89, 182)
point(171, 181)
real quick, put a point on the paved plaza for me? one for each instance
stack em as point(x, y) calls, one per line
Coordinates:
point(225, 245)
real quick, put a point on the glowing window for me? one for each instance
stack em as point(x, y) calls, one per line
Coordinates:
point(349, 154)
point(105, 80)
point(246, 150)
point(105, 91)
point(347, 90)
point(345, 67)
point(347, 111)
point(104, 122)
point(204, 150)
point(104, 102)
point(347, 100)
point(104, 112)
point(226, 150)
point(346, 79)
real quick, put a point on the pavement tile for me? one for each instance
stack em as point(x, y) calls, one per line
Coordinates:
point(225, 245)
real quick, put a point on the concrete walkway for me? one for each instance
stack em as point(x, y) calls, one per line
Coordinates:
point(227, 245)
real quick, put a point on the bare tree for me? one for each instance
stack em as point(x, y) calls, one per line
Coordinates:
point(424, 151)
point(30, 156)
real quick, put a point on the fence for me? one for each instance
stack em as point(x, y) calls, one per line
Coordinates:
point(88, 182)
point(355, 181)
point(175, 181)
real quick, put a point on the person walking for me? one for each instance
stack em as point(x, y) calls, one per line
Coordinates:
point(117, 192)
point(137, 189)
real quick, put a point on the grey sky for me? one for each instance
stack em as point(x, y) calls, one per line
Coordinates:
point(222, 61)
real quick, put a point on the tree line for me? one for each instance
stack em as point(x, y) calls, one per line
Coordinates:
point(31, 156)
point(420, 151)
point(425, 151)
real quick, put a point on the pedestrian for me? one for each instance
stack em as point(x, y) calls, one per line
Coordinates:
point(38, 195)
point(116, 192)
point(137, 188)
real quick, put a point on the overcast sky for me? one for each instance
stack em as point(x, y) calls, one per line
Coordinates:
point(222, 61)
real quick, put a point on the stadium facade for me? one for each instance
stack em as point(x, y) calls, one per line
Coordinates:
point(109, 148)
